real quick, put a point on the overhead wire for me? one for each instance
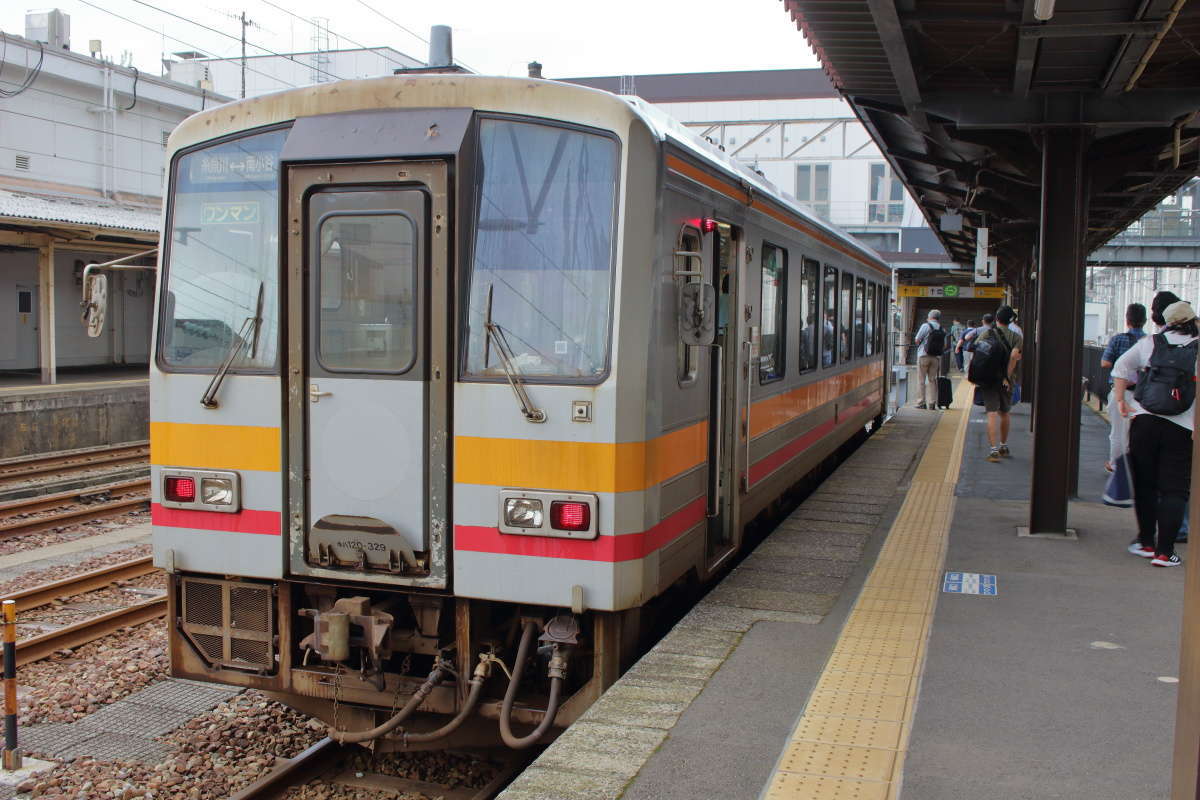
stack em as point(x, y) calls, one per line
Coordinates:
point(385, 17)
point(33, 73)
point(335, 33)
point(196, 48)
point(237, 39)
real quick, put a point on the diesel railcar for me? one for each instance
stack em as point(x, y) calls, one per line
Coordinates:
point(454, 375)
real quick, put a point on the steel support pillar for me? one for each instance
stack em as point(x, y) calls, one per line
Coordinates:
point(47, 357)
point(1060, 281)
point(1185, 771)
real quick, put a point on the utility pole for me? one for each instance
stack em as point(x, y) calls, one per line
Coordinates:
point(244, 22)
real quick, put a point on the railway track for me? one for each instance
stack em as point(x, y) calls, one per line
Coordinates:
point(329, 761)
point(69, 508)
point(18, 469)
point(86, 630)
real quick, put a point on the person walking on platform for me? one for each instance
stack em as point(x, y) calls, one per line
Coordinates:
point(1135, 320)
point(1160, 433)
point(931, 343)
point(956, 334)
point(997, 352)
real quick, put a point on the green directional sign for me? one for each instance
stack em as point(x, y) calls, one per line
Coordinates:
point(950, 291)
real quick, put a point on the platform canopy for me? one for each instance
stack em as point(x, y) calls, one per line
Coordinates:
point(958, 93)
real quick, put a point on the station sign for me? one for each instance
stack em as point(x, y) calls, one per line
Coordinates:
point(953, 291)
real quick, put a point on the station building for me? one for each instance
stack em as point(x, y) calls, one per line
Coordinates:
point(81, 181)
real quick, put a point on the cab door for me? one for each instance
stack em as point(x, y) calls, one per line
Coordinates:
point(367, 390)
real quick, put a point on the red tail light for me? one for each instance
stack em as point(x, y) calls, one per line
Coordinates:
point(708, 224)
point(180, 490)
point(570, 516)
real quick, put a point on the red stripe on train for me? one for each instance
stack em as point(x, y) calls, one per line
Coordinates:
point(768, 464)
point(268, 523)
point(611, 549)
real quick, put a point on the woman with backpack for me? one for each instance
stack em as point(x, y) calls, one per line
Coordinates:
point(1160, 433)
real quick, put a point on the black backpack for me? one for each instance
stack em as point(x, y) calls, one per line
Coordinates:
point(989, 364)
point(1168, 385)
point(935, 342)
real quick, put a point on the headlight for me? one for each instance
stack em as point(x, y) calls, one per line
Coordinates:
point(523, 512)
point(216, 491)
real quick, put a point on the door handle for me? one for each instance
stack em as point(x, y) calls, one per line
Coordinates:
point(315, 394)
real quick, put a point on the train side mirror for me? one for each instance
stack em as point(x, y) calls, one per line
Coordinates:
point(698, 314)
point(94, 303)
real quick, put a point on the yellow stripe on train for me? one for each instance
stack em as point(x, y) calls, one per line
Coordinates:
point(215, 446)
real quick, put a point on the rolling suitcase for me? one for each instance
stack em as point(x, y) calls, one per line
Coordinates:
point(945, 393)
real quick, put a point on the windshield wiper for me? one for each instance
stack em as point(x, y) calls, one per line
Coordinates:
point(494, 334)
point(247, 336)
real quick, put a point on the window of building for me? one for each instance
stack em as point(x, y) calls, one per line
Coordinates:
point(845, 310)
point(810, 292)
point(886, 202)
point(829, 349)
point(774, 318)
point(860, 317)
point(812, 187)
point(687, 260)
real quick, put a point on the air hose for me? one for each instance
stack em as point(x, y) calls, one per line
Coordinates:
point(556, 681)
point(413, 703)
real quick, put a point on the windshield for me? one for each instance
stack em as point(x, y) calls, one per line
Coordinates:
point(223, 244)
point(542, 260)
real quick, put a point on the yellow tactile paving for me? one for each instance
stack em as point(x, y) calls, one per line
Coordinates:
point(850, 742)
point(859, 763)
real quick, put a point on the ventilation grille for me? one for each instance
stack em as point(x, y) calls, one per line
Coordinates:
point(22, 161)
point(230, 623)
point(165, 135)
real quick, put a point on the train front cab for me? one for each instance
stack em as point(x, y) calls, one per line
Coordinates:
point(355, 386)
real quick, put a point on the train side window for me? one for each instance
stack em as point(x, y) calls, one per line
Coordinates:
point(687, 259)
point(772, 350)
point(829, 349)
point(845, 309)
point(860, 317)
point(810, 294)
point(869, 317)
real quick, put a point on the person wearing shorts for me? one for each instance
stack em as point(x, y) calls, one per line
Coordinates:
point(997, 399)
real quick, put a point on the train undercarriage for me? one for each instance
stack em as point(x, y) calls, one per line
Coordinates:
point(394, 670)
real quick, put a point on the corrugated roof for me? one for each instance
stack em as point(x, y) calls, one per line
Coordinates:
point(77, 212)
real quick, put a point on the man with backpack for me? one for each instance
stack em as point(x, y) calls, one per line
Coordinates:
point(931, 343)
point(996, 354)
point(1160, 433)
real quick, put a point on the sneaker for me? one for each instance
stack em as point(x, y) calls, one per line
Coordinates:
point(1004, 451)
point(1139, 549)
point(1167, 561)
point(921, 406)
point(994, 456)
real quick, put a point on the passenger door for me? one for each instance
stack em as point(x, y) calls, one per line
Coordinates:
point(367, 349)
point(724, 414)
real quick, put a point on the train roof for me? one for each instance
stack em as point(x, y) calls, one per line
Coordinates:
point(532, 96)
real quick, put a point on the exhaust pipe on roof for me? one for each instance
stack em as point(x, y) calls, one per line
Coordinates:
point(441, 46)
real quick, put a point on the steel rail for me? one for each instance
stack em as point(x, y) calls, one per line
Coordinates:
point(295, 771)
point(13, 469)
point(71, 515)
point(46, 593)
point(38, 647)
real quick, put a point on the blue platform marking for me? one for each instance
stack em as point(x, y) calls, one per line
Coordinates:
point(970, 583)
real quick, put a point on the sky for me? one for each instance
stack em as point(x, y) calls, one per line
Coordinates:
point(571, 38)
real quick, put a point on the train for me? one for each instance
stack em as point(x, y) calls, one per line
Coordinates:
point(456, 376)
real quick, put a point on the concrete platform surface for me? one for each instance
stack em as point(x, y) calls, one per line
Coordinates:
point(702, 715)
point(1060, 685)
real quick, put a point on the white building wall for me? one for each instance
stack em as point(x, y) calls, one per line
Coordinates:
point(267, 73)
point(802, 131)
point(72, 139)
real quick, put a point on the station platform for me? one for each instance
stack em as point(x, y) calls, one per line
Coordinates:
point(896, 674)
point(86, 408)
